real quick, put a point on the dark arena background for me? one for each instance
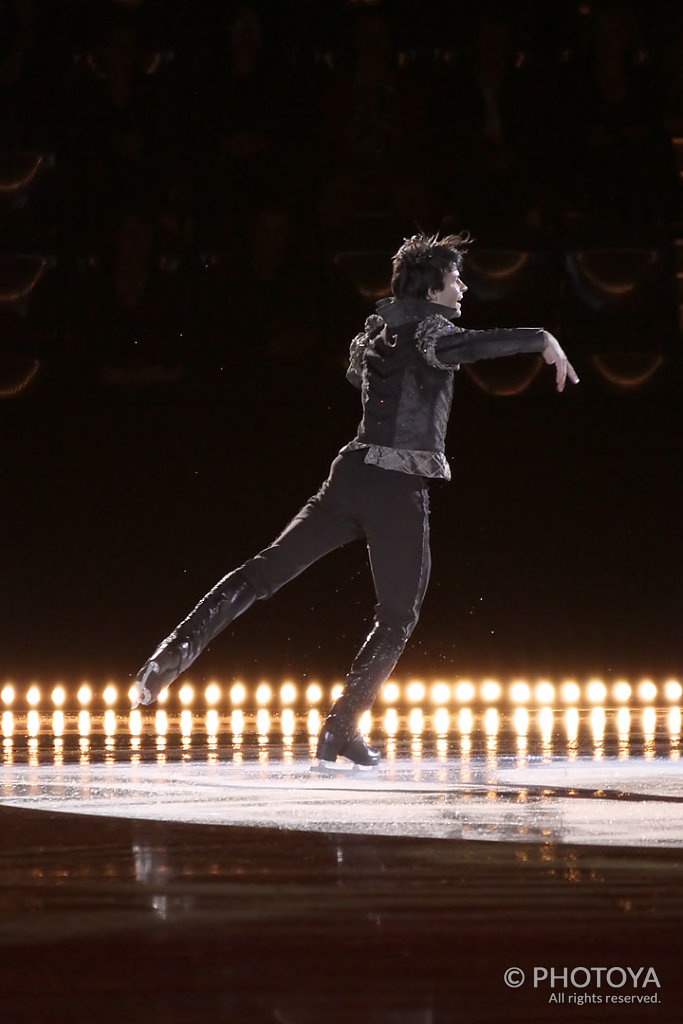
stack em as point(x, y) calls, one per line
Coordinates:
point(198, 208)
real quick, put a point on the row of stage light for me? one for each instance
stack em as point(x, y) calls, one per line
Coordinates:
point(597, 732)
point(489, 692)
point(440, 721)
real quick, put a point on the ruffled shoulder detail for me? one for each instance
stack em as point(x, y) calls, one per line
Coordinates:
point(373, 326)
point(428, 333)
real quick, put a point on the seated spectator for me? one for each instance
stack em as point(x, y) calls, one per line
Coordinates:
point(493, 143)
point(263, 306)
point(376, 135)
point(238, 128)
point(613, 151)
point(136, 317)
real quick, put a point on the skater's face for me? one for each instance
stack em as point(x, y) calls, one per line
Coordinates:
point(452, 292)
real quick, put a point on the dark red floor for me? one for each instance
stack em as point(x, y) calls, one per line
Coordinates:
point(105, 920)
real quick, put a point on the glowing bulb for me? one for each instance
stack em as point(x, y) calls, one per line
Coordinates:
point(465, 721)
point(545, 718)
point(441, 693)
point(441, 721)
point(33, 696)
point(83, 723)
point(623, 721)
point(313, 722)
point(7, 694)
point(135, 723)
point(237, 723)
point(365, 723)
point(415, 691)
point(571, 724)
point(186, 723)
point(238, 694)
point(84, 694)
point(33, 723)
point(109, 695)
point(416, 721)
point(520, 692)
point(545, 693)
point(674, 720)
point(58, 723)
point(262, 722)
point(596, 691)
point(263, 694)
point(314, 693)
point(391, 722)
point(673, 689)
point(464, 692)
point(491, 721)
point(622, 691)
point(287, 722)
point(212, 722)
point(337, 691)
point(186, 694)
point(570, 692)
point(647, 690)
point(490, 690)
point(598, 722)
point(212, 694)
point(390, 693)
point(288, 693)
point(7, 723)
point(58, 696)
point(163, 696)
point(161, 723)
point(109, 722)
point(521, 720)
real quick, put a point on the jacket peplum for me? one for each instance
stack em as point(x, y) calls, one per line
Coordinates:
point(404, 362)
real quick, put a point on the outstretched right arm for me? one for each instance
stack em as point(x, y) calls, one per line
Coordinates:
point(447, 346)
point(554, 356)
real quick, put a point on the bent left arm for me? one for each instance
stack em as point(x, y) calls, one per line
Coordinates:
point(374, 325)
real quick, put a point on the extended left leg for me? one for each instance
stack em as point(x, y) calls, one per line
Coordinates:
point(322, 525)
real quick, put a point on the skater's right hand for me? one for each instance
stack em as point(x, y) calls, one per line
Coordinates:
point(554, 356)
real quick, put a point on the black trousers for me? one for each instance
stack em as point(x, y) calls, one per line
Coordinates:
point(387, 508)
point(390, 510)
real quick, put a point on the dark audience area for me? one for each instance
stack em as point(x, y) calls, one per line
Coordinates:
point(167, 169)
point(198, 203)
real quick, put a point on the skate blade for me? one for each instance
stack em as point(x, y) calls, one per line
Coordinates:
point(342, 766)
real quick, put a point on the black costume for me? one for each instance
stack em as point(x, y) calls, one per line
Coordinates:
point(403, 361)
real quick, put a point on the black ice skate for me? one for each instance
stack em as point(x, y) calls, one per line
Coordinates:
point(337, 754)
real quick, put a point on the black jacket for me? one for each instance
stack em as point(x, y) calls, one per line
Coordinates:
point(403, 361)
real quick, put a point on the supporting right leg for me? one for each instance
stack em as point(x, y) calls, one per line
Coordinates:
point(372, 666)
point(397, 528)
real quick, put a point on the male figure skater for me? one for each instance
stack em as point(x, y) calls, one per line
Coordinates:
point(404, 362)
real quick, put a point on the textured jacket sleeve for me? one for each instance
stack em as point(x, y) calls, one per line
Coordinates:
point(446, 346)
point(373, 325)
